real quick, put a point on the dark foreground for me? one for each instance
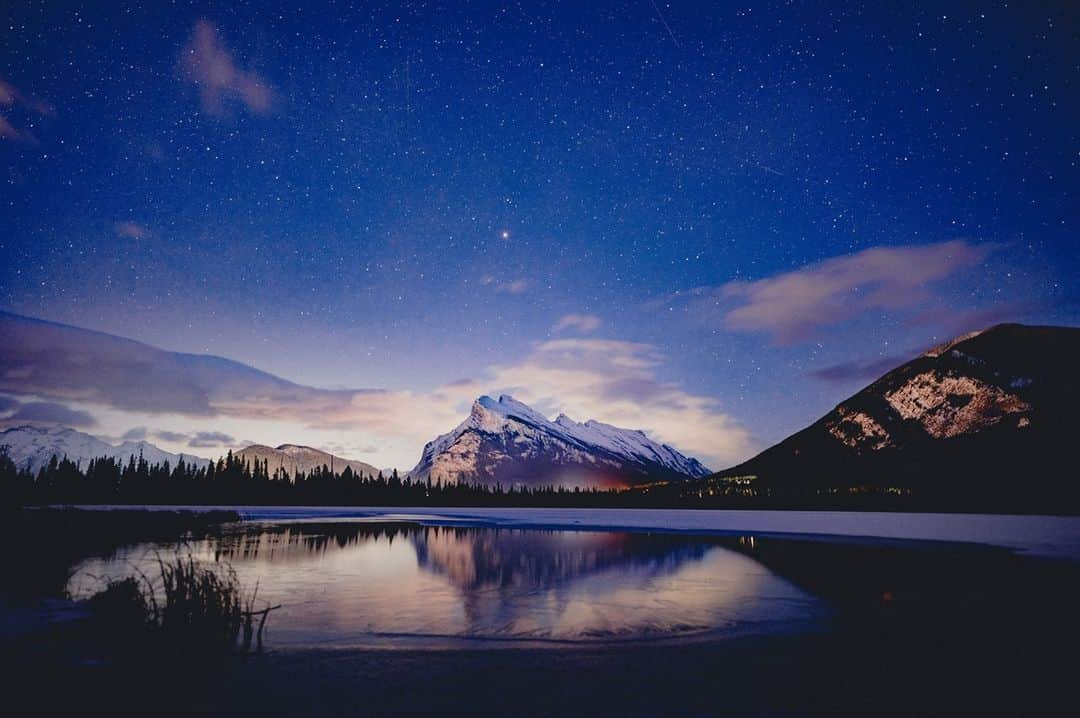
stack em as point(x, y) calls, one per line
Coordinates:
point(890, 671)
point(917, 630)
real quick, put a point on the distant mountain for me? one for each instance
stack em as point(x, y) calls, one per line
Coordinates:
point(34, 446)
point(507, 442)
point(995, 407)
point(295, 458)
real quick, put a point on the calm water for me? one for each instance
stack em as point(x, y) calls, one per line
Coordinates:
point(365, 583)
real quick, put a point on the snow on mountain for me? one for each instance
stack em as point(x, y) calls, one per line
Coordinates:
point(34, 446)
point(293, 458)
point(508, 442)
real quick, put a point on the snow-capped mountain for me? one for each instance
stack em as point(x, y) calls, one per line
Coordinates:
point(34, 446)
point(992, 406)
point(293, 458)
point(508, 442)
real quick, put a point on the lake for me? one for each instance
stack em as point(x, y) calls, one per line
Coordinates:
point(410, 611)
point(369, 578)
point(365, 583)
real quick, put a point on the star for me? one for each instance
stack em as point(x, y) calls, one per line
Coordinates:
point(505, 234)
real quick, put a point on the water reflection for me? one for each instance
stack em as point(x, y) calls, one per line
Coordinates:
point(365, 583)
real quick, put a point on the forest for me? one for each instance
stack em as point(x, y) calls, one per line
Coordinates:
point(234, 481)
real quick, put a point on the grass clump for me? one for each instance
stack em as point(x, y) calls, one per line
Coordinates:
point(202, 605)
point(191, 607)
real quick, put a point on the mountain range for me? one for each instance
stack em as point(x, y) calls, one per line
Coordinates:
point(507, 442)
point(33, 446)
point(991, 407)
point(978, 413)
point(501, 441)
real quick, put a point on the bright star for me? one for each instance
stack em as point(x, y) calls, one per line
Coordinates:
point(504, 234)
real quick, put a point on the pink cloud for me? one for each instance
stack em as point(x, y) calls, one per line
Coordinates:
point(208, 64)
point(131, 230)
point(8, 131)
point(11, 98)
point(514, 286)
point(795, 305)
point(509, 286)
point(621, 383)
point(613, 381)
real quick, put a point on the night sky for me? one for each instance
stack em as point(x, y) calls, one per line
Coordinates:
point(711, 221)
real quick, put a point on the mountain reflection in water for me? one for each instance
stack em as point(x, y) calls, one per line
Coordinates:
point(367, 583)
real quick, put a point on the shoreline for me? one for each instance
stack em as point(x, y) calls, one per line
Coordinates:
point(1036, 536)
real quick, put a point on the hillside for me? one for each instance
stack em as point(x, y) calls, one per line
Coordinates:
point(997, 408)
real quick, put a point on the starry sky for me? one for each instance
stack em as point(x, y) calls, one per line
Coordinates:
point(712, 221)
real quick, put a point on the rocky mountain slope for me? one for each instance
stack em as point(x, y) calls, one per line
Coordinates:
point(507, 442)
point(295, 458)
point(34, 446)
point(991, 407)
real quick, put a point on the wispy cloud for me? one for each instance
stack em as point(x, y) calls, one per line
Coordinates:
point(8, 131)
point(137, 433)
point(8, 94)
point(619, 383)
point(583, 323)
point(947, 323)
point(131, 230)
point(11, 98)
point(53, 413)
point(505, 286)
point(609, 380)
point(70, 364)
point(953, 322)
point(861, 370)
point(514, 286)
point(794, 306)
point(208, 64)
point(207, 439)
point(176, 437)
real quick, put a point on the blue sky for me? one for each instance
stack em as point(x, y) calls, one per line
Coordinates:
point(724, 218)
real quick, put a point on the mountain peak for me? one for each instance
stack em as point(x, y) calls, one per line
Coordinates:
point(942, 348)
point(506, 441)
point(508, 406)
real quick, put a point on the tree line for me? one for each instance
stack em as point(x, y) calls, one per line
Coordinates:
point(238, 480)
point(234, 480)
